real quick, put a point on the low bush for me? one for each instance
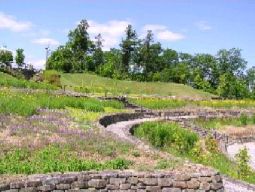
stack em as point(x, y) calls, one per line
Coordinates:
point(164, 135)
point(52, 77)
point(243, 158)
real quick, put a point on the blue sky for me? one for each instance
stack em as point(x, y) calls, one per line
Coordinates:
point(192, 26)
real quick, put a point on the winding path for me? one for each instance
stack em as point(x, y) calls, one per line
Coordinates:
point(122, 130)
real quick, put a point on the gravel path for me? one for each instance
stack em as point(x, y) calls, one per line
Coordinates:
point(231, 185)
point(122, 130)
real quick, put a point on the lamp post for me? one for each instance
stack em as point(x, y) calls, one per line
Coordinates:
point(47, 49)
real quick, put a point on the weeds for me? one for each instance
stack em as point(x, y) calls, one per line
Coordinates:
point(53, 159)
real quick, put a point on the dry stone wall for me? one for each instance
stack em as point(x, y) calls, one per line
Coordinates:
point(196, 179)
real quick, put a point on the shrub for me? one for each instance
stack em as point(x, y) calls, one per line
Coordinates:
point(164, 135)
point(243, 119)
point(243, 159)
point(52, 77)
point(211, 144)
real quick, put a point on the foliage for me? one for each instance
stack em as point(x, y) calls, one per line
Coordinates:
point(6, 57)
point(243, 159)
point(52, 77)
point(53, 159)
point(20, 57)
point(167, 135)
point(146, 60)
point(243, 119)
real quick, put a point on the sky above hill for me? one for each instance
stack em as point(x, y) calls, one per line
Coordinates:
point(192, 26)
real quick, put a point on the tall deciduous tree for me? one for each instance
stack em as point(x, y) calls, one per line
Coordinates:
point(98, 56)
point(6, 57)
point(149, 55)
point(128, 48)
point(20, 57)
point(230, 61)
point(81, 46)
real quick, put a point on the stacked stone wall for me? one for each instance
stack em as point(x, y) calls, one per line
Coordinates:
point(198, 179)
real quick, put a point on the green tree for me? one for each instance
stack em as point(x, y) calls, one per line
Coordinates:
point(20, 57)
point(6, 57)
point(149, 56)
point(128, 48)
point(170, 58)
point(205, 65)
point(79, 39)
point(81, 46)
point(61, 60)
point(230, 61)
point(181, 73)
point(98, 56)
point(250, 78)
point(200, 83)
point(243, 159)
point(232, 87)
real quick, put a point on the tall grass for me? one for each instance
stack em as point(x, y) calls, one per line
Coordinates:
point(246, 103)
point(27, 104)
point(165, 135)
point(218, 123)
point(159, 103)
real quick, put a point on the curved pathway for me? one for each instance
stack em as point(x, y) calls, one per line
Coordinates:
point(122, 130)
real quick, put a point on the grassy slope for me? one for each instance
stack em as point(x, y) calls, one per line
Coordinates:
point(133, 87)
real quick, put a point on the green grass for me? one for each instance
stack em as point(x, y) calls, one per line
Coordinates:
point(26, 104)
point(9, 81)
point(96, 84)
point(246, 103)
point(52, 159)
point(218, 123)
point(168, 103)
point(157, 103)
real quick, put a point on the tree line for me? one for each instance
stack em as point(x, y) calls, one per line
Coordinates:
point(6, 58)
point(224, 74)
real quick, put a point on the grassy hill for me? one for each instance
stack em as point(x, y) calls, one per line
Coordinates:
point(97, 84)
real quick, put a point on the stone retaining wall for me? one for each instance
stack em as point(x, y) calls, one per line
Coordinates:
point(195, 179)
point(111, 119)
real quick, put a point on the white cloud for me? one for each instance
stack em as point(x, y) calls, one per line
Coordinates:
point(46, 41)
point(37, 63)
point(163, 33)
point(203, 26)
point(11, 23)
point(111, 31)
